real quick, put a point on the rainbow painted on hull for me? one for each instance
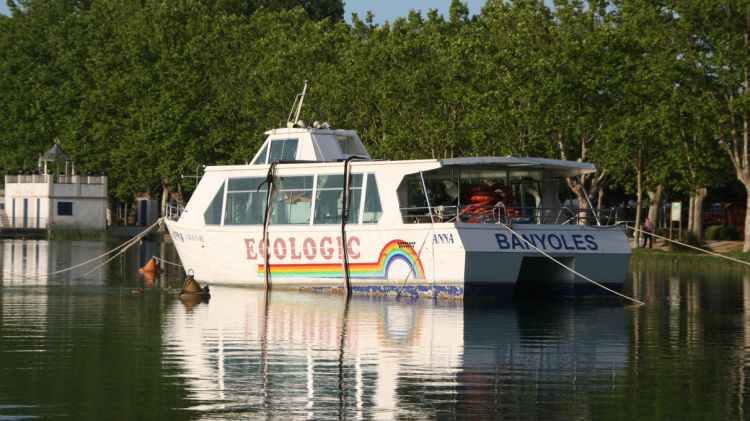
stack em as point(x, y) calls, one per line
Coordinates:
point(395, 250)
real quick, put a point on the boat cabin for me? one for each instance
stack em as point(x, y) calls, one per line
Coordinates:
point(486, 189)
point(318, 143)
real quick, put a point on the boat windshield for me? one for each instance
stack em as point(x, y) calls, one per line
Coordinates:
point(281, 150)
point(330, 147)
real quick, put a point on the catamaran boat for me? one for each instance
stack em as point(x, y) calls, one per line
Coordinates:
point(313, 211)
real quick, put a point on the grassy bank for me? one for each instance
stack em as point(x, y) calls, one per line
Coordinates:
point(75, 232)
point(685, 259)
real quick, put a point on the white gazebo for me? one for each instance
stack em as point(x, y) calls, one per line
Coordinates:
point(55, 196)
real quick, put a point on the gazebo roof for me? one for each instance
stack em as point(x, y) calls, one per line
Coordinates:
point(55, 153)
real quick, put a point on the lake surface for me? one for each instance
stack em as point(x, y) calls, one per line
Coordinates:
point(91, 344)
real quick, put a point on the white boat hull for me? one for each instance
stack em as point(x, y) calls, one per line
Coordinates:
point(442, 259)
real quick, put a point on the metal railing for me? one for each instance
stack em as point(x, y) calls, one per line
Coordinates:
point(59, 179)
point(510, 215)
point(174, 210)
point(26, 178)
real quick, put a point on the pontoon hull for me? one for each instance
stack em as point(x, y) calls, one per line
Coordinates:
point(438, 260)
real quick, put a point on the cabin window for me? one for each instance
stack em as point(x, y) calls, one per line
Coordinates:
point(261, 159)
point(282, 150)
point(246, 201)
point(292, 201)
point(350, 145)
point(373, 210)
point(329, 197)
point(527, 193)
point(212, 215)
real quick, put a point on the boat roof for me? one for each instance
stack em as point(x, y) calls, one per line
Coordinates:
point(310, 129)
point(552, 167)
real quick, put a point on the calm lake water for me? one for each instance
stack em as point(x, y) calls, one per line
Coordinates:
point(85, 345)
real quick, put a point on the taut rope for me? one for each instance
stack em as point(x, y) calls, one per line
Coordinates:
point(692, 247)
point(566, 267)
point(119, 249)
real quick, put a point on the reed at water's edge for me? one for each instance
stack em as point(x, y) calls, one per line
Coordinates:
point(76, 232)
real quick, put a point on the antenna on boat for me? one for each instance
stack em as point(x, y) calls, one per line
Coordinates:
point(290, 122)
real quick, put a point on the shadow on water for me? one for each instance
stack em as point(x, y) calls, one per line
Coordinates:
point(119, 343)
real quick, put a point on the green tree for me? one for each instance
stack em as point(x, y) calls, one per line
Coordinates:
point(316, 9)
point(720, 45)
point(579, 67)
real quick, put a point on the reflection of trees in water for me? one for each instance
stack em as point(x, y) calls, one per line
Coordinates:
point(541, 360)
point(690, 343)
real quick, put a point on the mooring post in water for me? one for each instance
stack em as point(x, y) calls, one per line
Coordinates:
point(344, 219)
point(270, 178)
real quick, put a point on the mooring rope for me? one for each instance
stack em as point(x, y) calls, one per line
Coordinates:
point(570, 269)
point(689, 246)
point(107, 261)
point(159, 259)
point(419, 255)
point(124, 246)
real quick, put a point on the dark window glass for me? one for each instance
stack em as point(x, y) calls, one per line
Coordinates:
point(329, 198)
point(373, 210)
point(246, 201)
point(261, 159)
point(292, 201)
point(65, 208)
point(212, 215)
point(283, 149)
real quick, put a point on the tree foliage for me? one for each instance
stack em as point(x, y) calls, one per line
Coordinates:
point(147, 91)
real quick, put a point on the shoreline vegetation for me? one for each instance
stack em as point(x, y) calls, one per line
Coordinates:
point(76, 233)
point(693, 258)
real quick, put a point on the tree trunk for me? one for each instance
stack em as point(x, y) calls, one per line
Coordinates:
point(746, 243)
point(576, 186)
point(697, 221)
point(654, 198)
point(638, 206)
point(691, 210)
point(164, 198)
point(639, 195)
point(108, 214)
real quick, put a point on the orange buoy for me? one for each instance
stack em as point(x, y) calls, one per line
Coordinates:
point(150, 278)
point(151, 266)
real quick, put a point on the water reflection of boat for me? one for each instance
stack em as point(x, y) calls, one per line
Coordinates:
point(316, 356)
point(313, 210)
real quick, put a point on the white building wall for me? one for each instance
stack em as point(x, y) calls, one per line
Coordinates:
point(36, 211)
point(89, 201)
point(87, 212)
point(31, 188)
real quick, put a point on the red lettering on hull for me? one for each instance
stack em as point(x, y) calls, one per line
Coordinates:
point(286, 248)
